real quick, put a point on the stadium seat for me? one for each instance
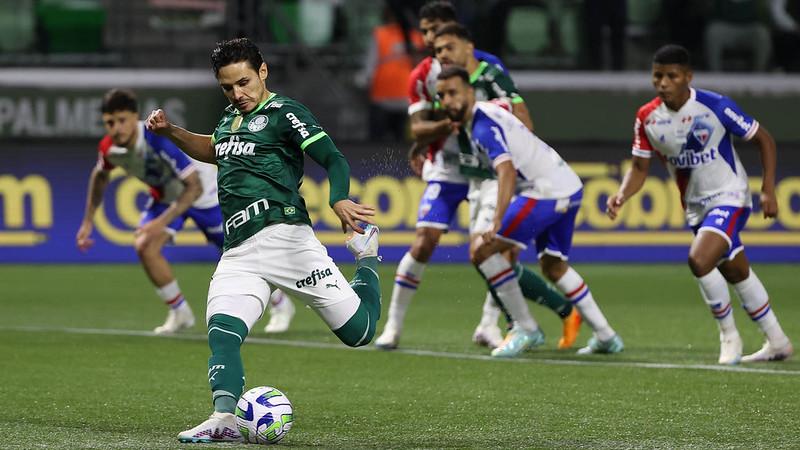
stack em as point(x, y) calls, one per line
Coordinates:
point(17, 26)
point(71, 26)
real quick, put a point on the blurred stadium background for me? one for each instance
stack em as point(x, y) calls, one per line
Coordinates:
point(582, 79)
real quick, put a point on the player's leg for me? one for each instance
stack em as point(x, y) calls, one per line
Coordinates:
point(502, 279)
point(149, 250)
point(237, 297)
point(437, 208)
point(281, 311)
point(553, 245)
point(737, 271)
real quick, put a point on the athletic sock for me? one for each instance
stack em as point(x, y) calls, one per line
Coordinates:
point(406, 280)
point(501, 278)
point(577, 292)
point(225, 369)
point(360, 328)
point(535, 288)
point(714, 290)
point(491, 312)
point(276, 298)
point(171, 294)
point(755, 301)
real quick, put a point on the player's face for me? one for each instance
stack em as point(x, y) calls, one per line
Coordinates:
point(450, 49)
point(242, 85)
point(456, 97)
point(671, 82)
point(121, 126)
point(428, 29)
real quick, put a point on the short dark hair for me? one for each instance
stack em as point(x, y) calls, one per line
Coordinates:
point(234, 51)
point(119, 100)
point(672, 54)
point(438, 10)
point(454, 71)
point(454, 29)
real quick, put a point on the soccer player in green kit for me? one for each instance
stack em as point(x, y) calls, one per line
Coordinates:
point(259, 147)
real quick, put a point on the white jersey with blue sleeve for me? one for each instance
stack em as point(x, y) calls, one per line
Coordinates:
point(696, 144)
point(501, 136)
point(161, 165)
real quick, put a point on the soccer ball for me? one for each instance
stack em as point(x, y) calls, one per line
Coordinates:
point(264, 415)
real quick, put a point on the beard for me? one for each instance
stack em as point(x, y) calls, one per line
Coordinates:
point(457, 115)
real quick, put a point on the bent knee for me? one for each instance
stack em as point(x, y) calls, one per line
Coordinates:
point(700, 264)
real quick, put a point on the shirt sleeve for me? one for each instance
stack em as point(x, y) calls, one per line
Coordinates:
point(418, 98)
point(181, 164)
point(641, 143)
point(488, 136)
point(102, 150)
point(299, 127)
point(735, 120)
point(503, 87)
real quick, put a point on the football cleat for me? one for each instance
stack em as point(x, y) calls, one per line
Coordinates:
point(280, 315)
point(488, 336)
point(571, 326)
point(517, 341)
point(178, 319)
point(364, 245)
point(771, 353)
point(613, 345)
point(730, 349)
point(220, 427)
point(389, 339)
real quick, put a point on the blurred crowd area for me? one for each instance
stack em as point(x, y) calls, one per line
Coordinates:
point(608, 35)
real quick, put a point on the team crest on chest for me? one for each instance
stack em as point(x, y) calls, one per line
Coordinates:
point(258, 123)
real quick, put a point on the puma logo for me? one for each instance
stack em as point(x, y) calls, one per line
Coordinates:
point(332, 285)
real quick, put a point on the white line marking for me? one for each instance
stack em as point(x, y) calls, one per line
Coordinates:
point(413, 352)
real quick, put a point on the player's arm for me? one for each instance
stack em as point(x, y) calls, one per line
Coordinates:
point(631, 184)
point(505, 88)
point(192, 189)
point(767, 148)
point(324, 152)
point(98, 181)
point(198, 146)
point(426, 130)
point(520, 110)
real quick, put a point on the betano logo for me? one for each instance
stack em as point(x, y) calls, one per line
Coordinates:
point(13, 192)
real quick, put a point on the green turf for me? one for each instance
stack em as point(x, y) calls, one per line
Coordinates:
point(64, 389)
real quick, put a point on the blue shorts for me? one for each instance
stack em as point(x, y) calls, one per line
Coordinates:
point(439, 204)
point(549, 222)
point(209, 220)
point(726, 221)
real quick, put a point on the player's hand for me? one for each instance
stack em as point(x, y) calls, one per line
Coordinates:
point(82, 239)
point(614, 204)
point(149, 231)
point(489, 236)
point(350, 213)
point(157, 122)
point(769, 204)
point(417, 162)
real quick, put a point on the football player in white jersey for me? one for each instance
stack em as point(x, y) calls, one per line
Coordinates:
point(538, 197)
point(692, 131)
point(180, 188)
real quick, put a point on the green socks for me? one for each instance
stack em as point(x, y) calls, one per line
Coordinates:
point(360, 328)
point(535, 288)
point(225, 369)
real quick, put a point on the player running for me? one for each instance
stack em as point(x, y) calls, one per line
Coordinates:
point(259, 147)
point(691, 130)
point(180, 188)
point(548, 196)
point(435, 134)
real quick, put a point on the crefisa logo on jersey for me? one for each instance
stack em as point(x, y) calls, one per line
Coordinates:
point(297, 125)
point(258, 123)
point(313, 277)
point(235, 147)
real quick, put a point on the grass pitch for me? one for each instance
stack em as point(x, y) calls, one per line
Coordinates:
point(80, 369)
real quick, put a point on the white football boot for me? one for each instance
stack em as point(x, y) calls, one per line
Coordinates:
point(177, 319)
point(364, 245)
point(488, 336)
point(220, 427)
point(730, 349)
point(770, 352)
point(389, 339)
point(280, 314)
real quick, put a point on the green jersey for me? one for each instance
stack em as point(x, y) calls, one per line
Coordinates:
point(490, 83)
point(260, 158)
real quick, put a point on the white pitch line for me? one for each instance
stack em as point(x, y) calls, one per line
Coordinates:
point(413, 352)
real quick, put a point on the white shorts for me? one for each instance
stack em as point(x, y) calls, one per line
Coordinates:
point(482, 199)
point(285, 257)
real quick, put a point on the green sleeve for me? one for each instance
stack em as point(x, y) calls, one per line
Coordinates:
point(504, 87)
point(324, 152)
